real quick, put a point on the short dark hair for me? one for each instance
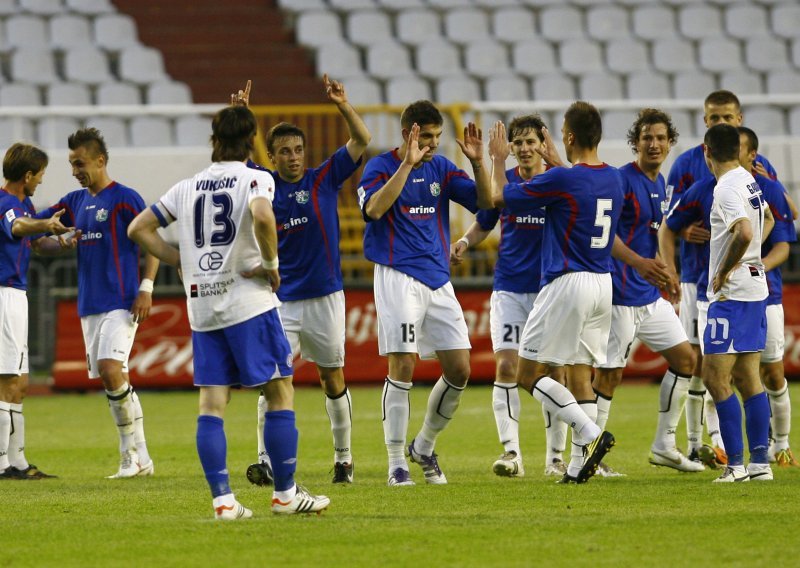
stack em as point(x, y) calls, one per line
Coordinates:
point(649, 117)
point(722, 97)
point(526, 122)
point(281, 130)
point(722, 141)
point(88, 138)
point(584, 122)
point(752, 139)
point(233, 132)
point(21, 159)
point(420, 112)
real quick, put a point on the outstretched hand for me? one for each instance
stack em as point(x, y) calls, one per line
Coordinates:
point(54, 225)
point(547, 150)
point(242, 98)
point(472, 145)
point(334, 90)
point(499, 148)
point(413, 152)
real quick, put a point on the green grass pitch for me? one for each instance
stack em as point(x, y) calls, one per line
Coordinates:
point(652, 517)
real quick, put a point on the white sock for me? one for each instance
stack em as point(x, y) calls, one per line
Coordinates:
point(603, 410)
point(121, 406)
point(694, 413)
point(671, 399)
point(285, 496)
point(340, 412)
point(555, 434)
point(506, 406)
point(442, 405)
point(5, 434)
point(781, 420)
point(712, 422)
point(560, 403)
point(395, 421)
point(138, 429)
point(16, 440)
point(262, 411)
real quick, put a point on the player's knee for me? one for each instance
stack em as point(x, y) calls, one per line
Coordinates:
point(683, 362)
point(772, 374)
point(458, 373)
point(506, 371)
point(110, 373)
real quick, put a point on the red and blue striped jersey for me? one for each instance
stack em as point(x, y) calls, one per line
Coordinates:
point(15, 253)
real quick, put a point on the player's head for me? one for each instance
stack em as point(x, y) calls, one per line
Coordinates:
point(582, 128)
point(286, 148)
point(525, 137)
point(651, 136)
point(26, 164)
point(721, 144)
point(722, 107)
point(88, 157)
point(748, 147)
point(233, 133)
point(430, 121)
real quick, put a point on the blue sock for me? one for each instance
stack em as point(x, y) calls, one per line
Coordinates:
point(212, 449)
point(280, 439)
point(756, 420)
point(730, 426)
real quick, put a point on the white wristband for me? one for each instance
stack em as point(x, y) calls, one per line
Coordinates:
point(270, 264)
point(463, 240)
point(146, 285)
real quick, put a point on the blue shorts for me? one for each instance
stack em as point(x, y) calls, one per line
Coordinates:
point(248, 353)
point(735, 327)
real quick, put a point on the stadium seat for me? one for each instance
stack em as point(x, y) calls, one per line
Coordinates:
point(627, 56)
point(580, 56)
point(193, 131)
point(141, 65)
point(318, 28)
point(741, 82)
point(90, 7)
point(766, 120)
point(41, 7)
point(113, 129)
point(795, 48)
point(673, 55)
point(533, 57)
point(15, 129)
point(682, 120)
point(786, 82)
point(8, 7)
point(68, 31)
point(445, 4)
point(744, 21)
point(486, 57)
point(693, 85)
point(794, 121)
point(654, 22)
point(26, 30)
point(53, 131)
point(766, 54)
point(506, 88)
point(604, 23)
point(698, 22)
point(648, 85)
point(113, 32)
point(553, 87)
point(457, 90)
point(351, 5)
point(66, 94)
point(416, 26)
point(559, 23)
point(19, 94)
point(719, 54)
point(168, 93)
point(300, 6)
point(436, 58)
point(368, 27)
point(616, 123)
point(591, 3)
point(513, 24)
point(363, 91)
point(785, 20)
point(115, 93)
point(463, 26)
point(600, 85)
point(86, 65)
point(403, 90)
point(33, 65)
point(397, 5)
point(150, 131)
point(387, 60)
point(495, 4)
point(339, 60)
point(541, 3)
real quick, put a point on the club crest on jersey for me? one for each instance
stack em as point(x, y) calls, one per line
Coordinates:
point(436, 189)
point(254, 186)
point(101, 215)
point(301, 196)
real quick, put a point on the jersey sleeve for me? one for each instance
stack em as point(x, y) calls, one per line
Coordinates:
point(7, 222)
point(373, 179)
point(784, 230)
point(684, 212)
point(730, 205)
point(460, 187)
point(678, 180)
point(340, 166)
point(167, 208)
point(522, 197)
point(487, 218)
point(262, 185)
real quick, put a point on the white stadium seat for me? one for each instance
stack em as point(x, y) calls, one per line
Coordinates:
point(113, 129)
point(533, 57)
point(15, 129)
point(553, 87)
point(339, 60)
point(744, 21)
point(506, 88)
point(513, 24)
point(558, 23)
point(698, 22)
point(141, 65)
point(403, 90)
point(169, 93)
point(318, 28)
point(654, 22)
point(42, 7)
point(150, 131)
point(604, 23)
point(719, 54)
point(53, 131)
point(416, 26)
point(457, 90)
point(387, 60)
point(368, 27)
point(742, 82)
point(580, 56)
point(33, 65)
point(627, 56)
point(600, 85)
point(766, 54)
point(68, 31)
point(765, 120)
point(673, 55)
point(693, 85)
point(26, 30)
point(114, 93)
point(786, 82)
point(113, 32)
point(483, 58)
point(363, 91)
point(59, 94)
point(463, 26)
point(648, 85)
point(193, 131)
point(86, 64)
point(19, 94)
point(785, 19)
point(90, 7)
point(437, 58)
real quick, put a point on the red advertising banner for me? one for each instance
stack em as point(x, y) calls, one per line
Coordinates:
point(162, 352)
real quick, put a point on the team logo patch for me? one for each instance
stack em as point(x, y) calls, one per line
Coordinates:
point(301, 196)
point(289, 360)
point(10, 216)
point(436, 189)
point(101, 215)
point(254, 186)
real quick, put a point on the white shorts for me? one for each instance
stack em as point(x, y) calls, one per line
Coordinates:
point(702, 319)
point(412, 318)
point(508, 313)
point(315, 328)
point(108, 336)
point(773, 352)
point(656, 325)
point(13, 331)
point(688, 312)
point(570, 321)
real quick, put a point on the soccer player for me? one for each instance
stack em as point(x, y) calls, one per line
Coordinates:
point(224, 215)
point(23, 169)
point(571, 317)
point(111, 299)
point(774, 252)
point(638, 310)
point(736, 328)
point(312, 296)
point(405, 197)
point(516, 283)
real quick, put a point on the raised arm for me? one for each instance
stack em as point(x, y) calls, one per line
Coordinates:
point(472, 146)
point(498, 152)
point(28, 226)
point(359, 133)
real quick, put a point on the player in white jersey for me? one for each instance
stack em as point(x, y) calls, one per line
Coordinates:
point(736, 329)
point(227, 253)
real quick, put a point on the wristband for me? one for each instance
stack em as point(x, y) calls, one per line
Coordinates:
point(270, 264)
point(146, 285)
point(463, 240)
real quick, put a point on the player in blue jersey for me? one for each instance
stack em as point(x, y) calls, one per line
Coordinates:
point(20, 233)
point(237, 336)
point(312, 297)
point(639, 311)
point(405, 197)
point(774, 252)
point(111, 299)
point(736, 328)
point(571, 317)
point(516, 283)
